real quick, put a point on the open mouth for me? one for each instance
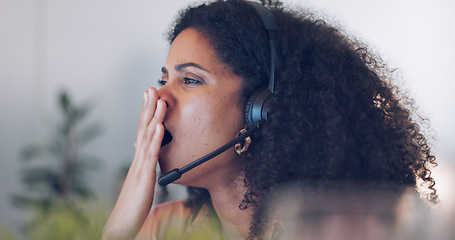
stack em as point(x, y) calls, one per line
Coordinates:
point(167, 138)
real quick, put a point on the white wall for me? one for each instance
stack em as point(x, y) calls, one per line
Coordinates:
point(111, 50)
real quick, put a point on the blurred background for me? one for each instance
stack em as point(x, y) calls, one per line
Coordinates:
point(93, 58)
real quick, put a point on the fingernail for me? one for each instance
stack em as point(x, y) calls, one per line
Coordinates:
point(145, 96)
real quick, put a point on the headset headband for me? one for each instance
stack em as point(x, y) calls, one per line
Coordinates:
point(272, 28)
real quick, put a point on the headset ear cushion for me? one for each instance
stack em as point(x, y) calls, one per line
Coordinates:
point(248, 108)
point(256, 107)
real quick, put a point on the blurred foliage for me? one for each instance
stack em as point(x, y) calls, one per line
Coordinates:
point(54, 175)
point(67, 222)
point(55, 172)
point(62, 221)
point(6, 234)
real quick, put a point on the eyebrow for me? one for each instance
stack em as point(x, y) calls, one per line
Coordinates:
point(185, 65)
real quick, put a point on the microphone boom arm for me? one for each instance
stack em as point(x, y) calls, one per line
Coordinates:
point(177, 173)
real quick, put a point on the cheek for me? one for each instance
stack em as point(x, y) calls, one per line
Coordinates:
point(213, 120)
point(224, 113)
point(195, 130)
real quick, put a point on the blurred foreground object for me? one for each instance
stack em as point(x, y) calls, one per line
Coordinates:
point(350, 211)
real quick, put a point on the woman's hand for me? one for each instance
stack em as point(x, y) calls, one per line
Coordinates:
point(136, 196)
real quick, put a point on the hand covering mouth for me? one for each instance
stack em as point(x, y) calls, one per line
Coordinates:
point(167, 137)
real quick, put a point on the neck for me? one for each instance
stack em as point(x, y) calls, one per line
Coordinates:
point(226, 199)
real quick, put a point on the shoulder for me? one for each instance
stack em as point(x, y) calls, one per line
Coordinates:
point(163, 216)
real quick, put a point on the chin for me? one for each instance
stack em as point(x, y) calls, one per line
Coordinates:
point(163, 158)
point(163, 166)
point(167, 162)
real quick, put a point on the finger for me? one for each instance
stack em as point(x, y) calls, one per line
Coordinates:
point(141, 118)
point(140, 128)
point(145, 135)
point(149, 107)
point(148, 111)
point(155, 145)
point(150, 133)
point(160, 112)
point(144, 101)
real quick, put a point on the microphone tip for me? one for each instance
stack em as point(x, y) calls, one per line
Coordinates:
point(169, 177)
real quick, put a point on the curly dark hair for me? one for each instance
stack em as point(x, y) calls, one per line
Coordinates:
point(335, 113)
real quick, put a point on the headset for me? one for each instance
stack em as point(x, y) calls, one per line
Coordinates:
point(257, 106)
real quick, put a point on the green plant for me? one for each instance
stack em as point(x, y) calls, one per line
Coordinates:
point(55, 171)
point(6, 234)
point(67, 222)
point(61, 202)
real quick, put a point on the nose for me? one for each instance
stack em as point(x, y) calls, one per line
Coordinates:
point(167, 95)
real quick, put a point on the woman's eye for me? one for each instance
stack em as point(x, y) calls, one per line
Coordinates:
point(162, 82)
point(187, 80)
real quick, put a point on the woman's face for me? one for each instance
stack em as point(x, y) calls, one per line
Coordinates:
point(203, 111)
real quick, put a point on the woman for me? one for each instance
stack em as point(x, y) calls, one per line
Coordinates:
point(334, 115)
